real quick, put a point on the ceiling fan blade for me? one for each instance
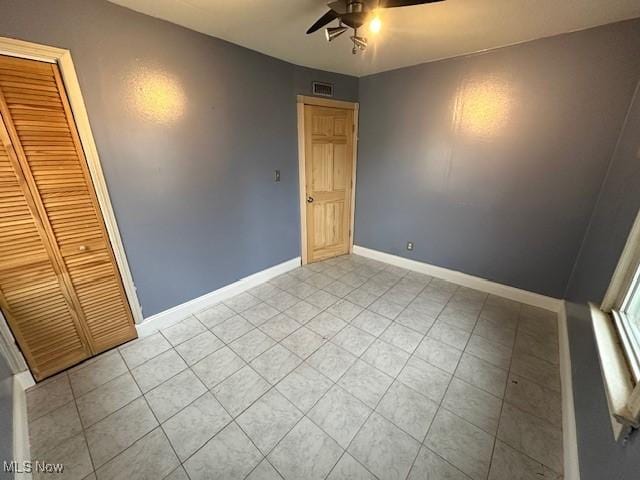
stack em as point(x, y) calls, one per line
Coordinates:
point(403, 3)
point(322, 21)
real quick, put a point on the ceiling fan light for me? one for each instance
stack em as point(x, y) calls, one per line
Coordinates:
point(334, 32)
point(375, 25)
point(360, 42)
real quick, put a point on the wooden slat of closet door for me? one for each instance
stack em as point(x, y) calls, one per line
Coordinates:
point(44, 126)
point(32, 294)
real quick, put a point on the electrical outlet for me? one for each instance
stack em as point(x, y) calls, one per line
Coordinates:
point(276, 176)
point(409, 245)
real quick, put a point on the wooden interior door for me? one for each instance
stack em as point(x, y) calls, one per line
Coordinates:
point(328, 177)
point(40, 135)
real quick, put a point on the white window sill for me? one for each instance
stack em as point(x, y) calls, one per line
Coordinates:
point(623, 397)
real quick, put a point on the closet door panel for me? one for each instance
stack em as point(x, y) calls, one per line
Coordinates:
point(32, 294)
point(44, 126)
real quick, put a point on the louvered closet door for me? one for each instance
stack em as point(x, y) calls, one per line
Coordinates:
point(38, 117)
point(32, 293)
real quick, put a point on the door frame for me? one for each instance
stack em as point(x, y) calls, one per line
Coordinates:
point(61, 57)
point(323, 102)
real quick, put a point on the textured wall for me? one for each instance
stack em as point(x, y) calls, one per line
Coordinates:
point(613, 217)
point(491, 163)
point(189, 130)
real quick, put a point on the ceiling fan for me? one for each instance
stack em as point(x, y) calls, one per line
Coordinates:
point(354, 14)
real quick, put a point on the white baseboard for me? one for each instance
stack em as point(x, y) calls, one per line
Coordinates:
point(464, 279)
point(569, 434)
point(179, 312)
point(21, 448)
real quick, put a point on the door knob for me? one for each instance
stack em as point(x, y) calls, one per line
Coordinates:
point(309, 199)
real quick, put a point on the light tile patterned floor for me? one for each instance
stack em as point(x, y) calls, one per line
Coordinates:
point(345, 369)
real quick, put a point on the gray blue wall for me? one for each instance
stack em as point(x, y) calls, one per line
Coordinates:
point(491, 163)
point(613, 216)
point(194, 198)
point(615, 212)
point(6, 416)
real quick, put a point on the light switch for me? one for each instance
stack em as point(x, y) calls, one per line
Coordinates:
point(276, 176)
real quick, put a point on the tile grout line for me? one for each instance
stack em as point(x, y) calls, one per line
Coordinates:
point(274, 386)
point(323, 396)
point(172, 347)
point(393, 320)
point(84, 434)
point(526, 454)
point(271, 387)
point(393, 379)
point(154, 416)
point(423, 336)
point(379, 295)
point(209, 390)
point(128, 371)
point(440, 404)
point(378, 337)
point(84, 429)
point(504, 399)
point(477, 315)
point(501, 400)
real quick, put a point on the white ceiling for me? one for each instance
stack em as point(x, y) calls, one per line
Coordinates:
point(409, 35)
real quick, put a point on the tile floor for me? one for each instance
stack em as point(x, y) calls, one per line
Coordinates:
point(345, 369)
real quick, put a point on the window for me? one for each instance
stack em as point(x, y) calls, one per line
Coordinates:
point(616, 326)
point(627, 319)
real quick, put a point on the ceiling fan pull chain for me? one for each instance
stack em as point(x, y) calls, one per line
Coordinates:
point(353, 39)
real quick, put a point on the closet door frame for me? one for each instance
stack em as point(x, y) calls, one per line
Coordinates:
point(62, 57)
